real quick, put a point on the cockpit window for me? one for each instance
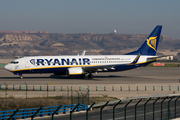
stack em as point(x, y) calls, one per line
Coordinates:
point(14, 62)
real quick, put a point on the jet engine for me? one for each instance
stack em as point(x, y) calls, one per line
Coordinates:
point(75, 72)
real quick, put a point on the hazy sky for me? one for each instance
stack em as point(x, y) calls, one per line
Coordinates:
point(91, 16)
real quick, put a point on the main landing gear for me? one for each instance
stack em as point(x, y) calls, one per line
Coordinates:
point(21, 77)
point(90, 76)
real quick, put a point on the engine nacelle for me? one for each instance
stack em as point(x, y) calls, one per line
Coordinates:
point(75, 72)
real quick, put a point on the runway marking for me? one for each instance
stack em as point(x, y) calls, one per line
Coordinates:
point(52, 83)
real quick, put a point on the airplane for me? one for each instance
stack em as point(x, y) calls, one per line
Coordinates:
point(84, 65)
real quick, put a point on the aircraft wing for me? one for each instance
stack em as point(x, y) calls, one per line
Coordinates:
point(98, 68)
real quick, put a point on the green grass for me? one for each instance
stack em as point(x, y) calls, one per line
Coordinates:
point(2, 64)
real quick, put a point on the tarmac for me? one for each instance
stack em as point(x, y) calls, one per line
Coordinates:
point(142, 81)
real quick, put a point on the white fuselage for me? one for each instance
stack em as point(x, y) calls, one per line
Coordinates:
point(46, 64)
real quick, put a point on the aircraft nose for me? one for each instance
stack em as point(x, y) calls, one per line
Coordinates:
point(7, 67)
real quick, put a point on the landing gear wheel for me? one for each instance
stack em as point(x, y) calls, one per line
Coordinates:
point(90, 76)
point(21, 77)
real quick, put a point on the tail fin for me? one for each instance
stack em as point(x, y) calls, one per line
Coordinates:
point(150, 45)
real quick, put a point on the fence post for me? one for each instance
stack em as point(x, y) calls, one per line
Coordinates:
point(7, 87)
point(26, 87)
point(64, 110)
point(102, 109)
point(88, 110)
point(71, 88)
point(41, 113)
point(23, 117)
point(145, 108)
point(73, 111)
point(4, 115)
point(78, 96)
point(96, 88)
point(13, 114)
point(32, 117)
point(169, 88)
point(61, 88)
point(47, 87)
point(26, 90)
point(6, 93)
point(114, 109)
point(125, 109)
point(154, 107)
point(162, 106)
point(175, 107)
point(136, 107)
point(169, 107)
point(55, 112)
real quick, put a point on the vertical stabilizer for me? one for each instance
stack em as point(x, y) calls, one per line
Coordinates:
point(149, 47)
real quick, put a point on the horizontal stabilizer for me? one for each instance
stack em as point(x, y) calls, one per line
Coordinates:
point(152, 58)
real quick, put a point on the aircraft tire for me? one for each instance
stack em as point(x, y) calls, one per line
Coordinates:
point(90, 76)
point(21, 77)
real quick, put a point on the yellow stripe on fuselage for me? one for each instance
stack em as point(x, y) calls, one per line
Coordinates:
point(54, 67)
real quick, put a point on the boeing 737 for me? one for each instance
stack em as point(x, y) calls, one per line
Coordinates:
point(84, 65)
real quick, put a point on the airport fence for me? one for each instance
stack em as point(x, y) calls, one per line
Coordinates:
point(124, 87)
point(161, 107)
point(32, 112)
point(44, 96)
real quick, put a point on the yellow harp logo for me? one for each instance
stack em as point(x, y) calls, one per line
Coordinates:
point(151, 42)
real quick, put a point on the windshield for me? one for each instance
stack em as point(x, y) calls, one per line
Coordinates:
point(14, 62)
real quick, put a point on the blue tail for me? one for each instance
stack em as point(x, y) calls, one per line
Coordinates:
point(149, 47)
